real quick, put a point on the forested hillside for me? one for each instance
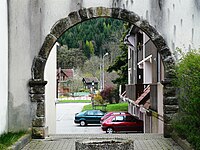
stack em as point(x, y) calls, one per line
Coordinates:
point(91, 38)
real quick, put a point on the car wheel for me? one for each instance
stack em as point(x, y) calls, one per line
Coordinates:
point(82, 123)
point(109, 130)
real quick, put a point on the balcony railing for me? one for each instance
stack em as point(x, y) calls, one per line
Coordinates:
point(133, 91)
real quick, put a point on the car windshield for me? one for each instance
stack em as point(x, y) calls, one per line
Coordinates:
point(80, 113)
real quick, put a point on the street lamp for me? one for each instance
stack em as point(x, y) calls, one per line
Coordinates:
point(103, 70)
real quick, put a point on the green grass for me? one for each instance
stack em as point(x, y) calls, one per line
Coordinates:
point(110, 107)
point(7, 139)
point(74, 101)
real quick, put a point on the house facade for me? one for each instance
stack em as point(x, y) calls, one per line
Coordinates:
point(144, 90)
point(90, 83)
point(64, 78)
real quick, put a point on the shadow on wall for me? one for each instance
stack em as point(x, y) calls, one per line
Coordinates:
point(19, 117)
point(197, 4)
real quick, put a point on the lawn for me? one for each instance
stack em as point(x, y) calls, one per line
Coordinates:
point(74, 101)
point(10, 138)
point(110, 107)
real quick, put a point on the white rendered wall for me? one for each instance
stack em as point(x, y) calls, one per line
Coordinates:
point(30, 21)
point(160, 107)
point(147, 72)
point(50, 89)
point(22, 49)
point(4, 67)
point(177, 21)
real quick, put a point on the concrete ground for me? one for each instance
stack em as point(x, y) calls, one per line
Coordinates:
point(67, 133)
point(65, 120)
point(67, 141)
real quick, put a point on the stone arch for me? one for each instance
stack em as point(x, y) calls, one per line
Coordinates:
point(37, 83)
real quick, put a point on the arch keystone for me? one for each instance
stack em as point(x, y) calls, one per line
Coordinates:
point(102, 11)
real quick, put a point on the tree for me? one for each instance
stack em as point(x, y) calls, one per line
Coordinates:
point(89, 49)
point(70, 58)
point(98, 99)
point(89, 41)
point(91, 67)
point(94, 32)
point(75, 83)
point(120, 65)
point(187, 122)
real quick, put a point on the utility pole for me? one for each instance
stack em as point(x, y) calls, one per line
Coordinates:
point(103, 70)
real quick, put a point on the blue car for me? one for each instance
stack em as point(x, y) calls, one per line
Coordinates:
point(88, 117)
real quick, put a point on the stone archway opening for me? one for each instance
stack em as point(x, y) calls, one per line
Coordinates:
point(37, 83)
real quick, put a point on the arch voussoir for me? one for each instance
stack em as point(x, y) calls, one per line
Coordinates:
point(47, 46)
point(92, 12)
point(83, 14)
point(164, 52)
point(115, 12)
point(128, 16)
point(74, 18)
point(38, 68)
point(60, 27)
point(169, 66)
point(170, 101)
point(170, 73)
point(155, 37)
point(158, 40)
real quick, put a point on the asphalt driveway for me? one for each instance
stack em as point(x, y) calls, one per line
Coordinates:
point(65, 120)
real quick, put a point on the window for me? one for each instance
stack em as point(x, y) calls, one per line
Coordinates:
point(90, 113)
point(129, 53)
point(98, 113)
point(130, 119)
point(118, 119)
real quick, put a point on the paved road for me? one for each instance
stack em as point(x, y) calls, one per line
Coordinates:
point(65, 120)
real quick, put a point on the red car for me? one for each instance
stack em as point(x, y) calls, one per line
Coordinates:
point(122, 122)
point(107, 115)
